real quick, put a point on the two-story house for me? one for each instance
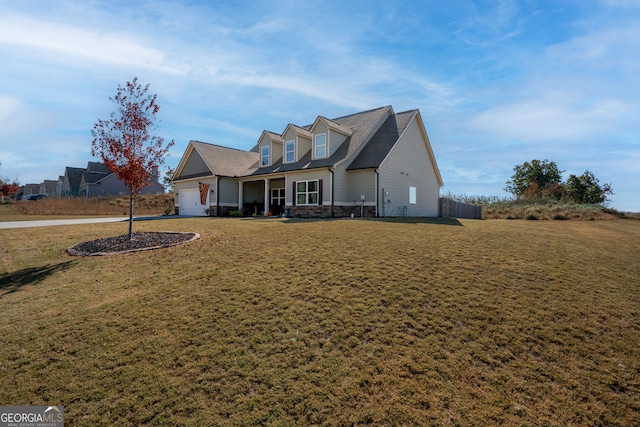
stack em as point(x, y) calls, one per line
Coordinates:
point(376, 162)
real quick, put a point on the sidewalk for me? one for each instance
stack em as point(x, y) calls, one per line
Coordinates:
point(53, 222)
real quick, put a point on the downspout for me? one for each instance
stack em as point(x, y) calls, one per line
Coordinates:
point(332, 187)
point(218, 196)
point(377, 195)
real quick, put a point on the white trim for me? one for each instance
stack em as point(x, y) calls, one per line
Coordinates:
point(352, 204)
point(307, 193)
point(268, 147)
point(413, 195)
point(315, 147)
point(284, 160)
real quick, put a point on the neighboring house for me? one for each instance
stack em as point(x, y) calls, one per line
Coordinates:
point(96, 185)
point(97, 180)
point(48, 187)
point(377, 162)
point(26, 190)
point(71, 181)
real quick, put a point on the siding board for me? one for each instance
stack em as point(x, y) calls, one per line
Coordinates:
point(407, 166)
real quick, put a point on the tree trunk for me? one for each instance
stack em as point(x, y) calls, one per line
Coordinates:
point(130, 216)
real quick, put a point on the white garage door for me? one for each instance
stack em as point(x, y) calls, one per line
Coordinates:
point(190, 203)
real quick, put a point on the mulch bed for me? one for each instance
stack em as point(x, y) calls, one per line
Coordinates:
point(139, 242)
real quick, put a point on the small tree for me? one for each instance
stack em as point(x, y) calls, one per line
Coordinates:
point(167, 180)
point(535, 178)
point(586, 189)
point(124, 142)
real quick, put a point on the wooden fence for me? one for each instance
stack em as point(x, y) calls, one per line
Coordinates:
point(448, 208)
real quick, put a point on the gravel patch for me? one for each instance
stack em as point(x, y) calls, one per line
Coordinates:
point(139, 242)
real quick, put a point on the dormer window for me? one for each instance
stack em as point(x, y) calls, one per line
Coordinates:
point(264, 155)
point(320, 146)
point(289, 151)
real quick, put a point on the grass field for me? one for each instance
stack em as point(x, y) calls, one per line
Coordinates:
point(270, 322)
point(45, 208)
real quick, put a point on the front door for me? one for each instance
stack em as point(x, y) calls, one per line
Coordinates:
point(277, 201)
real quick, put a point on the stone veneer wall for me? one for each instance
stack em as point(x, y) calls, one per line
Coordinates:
point(213, 210)
point(306, 211)
point(325, 211)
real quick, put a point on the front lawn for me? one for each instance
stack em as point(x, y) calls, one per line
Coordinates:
point(340, 322)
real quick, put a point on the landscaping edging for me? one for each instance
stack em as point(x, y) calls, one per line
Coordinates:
point(141, 242)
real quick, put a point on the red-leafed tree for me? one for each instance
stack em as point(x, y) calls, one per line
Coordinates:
point(124, 142)
point(7, 188)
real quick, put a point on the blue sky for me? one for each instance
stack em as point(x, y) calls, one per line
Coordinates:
point(498, 82)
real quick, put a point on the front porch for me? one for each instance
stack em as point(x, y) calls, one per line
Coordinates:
point(265, 196)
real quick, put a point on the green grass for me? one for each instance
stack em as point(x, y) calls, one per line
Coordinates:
point(273, 322)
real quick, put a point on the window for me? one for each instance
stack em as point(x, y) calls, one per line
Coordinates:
point(289, 151)
point(412, 195)
point(307, 192)
point(320, 146)
point(264, 155)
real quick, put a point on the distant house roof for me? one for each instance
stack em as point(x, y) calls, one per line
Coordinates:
point(92, 178)
point(95, 167)
point(74, 175)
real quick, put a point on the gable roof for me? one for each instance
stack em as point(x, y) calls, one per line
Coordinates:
point(272, 136)
point(382, 142)
point(360, 124)
point(370, 136)
point(300, 131)
point(222, 161)
point(380, 145)
point(332, 124)
point(74, 175)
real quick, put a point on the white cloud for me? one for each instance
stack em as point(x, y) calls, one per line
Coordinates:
point(549, 118)
point(89, 44)
point(8, 106)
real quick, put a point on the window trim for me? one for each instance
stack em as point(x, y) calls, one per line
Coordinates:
point(307, 193)
point(413, 195)
point(263, 155)
point(293, 152)
point(325, 145)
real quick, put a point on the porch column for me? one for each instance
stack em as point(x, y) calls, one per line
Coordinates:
point(240, 196)
point(266, 195)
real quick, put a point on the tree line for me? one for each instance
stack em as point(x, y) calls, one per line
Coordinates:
point(542, 180)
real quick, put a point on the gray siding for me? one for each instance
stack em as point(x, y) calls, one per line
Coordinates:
point(303, 146)
point(194, 166)
point(228, 192)
point(408, 165)
point(335, 141)
point(361, 183)
point(322, 174)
